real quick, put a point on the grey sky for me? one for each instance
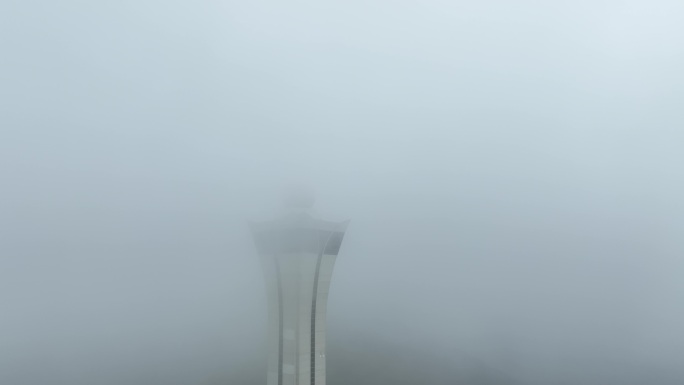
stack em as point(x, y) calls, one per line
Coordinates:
point(512, 171)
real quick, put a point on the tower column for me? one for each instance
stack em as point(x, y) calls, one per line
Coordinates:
point(298, 253)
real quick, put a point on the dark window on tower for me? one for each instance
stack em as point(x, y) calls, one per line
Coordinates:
point(333, 246)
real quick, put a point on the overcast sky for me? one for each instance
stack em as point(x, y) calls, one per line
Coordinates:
point(512, 170)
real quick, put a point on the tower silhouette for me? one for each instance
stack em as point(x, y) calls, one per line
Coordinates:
point(298, 252)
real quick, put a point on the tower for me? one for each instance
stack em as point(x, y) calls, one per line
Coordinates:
point(298, 252)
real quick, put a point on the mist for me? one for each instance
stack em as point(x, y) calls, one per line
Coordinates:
point(512, 172)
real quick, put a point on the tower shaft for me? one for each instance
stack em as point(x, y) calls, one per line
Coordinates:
point(298, 263)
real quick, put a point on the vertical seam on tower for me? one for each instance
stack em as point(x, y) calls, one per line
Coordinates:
point(313, 309)
point(297, 331)
point(280, 322)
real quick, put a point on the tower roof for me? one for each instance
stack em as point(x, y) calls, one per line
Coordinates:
point(301, 219)
point(299, 196)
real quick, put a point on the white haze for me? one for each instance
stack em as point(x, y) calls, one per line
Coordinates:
point(512, 170)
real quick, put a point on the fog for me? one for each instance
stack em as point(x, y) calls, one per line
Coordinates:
point(512, 172)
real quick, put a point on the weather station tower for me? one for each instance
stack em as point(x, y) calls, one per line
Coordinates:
point(298, 252)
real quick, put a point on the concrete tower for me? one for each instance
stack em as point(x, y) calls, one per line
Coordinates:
point(298, 252)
